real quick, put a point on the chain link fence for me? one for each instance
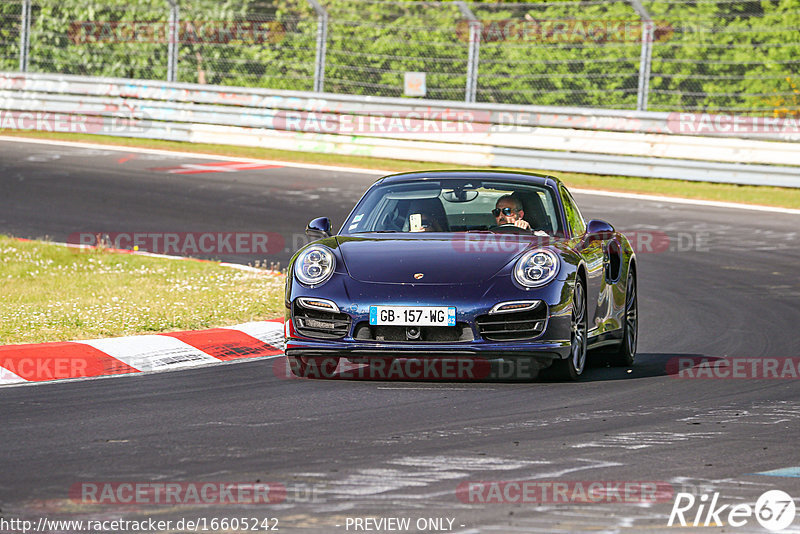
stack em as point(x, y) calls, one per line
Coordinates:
point(660, 55)
point(727, 56)
point(11, 21)
point(371, 45)
point(251, 45)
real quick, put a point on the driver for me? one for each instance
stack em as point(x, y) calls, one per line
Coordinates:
point(508, 210)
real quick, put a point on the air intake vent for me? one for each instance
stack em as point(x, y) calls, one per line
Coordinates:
point(423, 334)
point(514, 326)
point(320, 324)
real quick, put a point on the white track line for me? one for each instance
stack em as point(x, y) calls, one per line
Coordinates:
point(198, 155)
point(376, 172)
point(240, 267)
point(689, 201)
point(7, 377)
point(24, 383)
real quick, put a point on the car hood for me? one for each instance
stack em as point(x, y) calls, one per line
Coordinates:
point(441, 258)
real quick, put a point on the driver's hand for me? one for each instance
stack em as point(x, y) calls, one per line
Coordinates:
point(522, 223)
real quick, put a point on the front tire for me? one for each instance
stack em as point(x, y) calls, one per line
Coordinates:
point(626, 353)
point(572, 367)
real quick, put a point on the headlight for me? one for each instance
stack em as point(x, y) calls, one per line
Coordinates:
point(314, 265)
point(536, 268)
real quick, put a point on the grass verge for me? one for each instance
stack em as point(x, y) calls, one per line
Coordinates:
point(56, 293)
point(747, 194)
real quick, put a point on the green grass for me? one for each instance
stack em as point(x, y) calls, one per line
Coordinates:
point(763, 195)
point(55, 293)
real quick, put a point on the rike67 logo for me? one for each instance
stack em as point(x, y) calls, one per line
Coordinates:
point(774, 510)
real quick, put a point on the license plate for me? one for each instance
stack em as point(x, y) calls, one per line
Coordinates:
point(412, 315)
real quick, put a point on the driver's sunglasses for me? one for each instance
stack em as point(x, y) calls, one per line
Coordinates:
point(505, 211)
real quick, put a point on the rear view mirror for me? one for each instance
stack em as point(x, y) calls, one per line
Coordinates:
point(599, 229)
point(319, 228)
point(460, 195)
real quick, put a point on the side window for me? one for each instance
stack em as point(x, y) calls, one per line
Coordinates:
point(574, 217)
point(549, 210)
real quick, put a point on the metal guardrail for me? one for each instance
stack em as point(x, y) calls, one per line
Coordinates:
point(613, 142)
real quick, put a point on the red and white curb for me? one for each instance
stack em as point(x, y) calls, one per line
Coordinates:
point(45, 362)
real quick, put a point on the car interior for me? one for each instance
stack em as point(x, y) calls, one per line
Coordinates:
point(451, 211)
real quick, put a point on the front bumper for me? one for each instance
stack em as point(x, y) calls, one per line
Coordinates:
point(471, 302)
point(542, 352)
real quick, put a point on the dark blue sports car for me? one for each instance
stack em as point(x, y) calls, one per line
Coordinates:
point(488, 266)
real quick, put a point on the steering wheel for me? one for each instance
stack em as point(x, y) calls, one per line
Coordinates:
point(509, 228)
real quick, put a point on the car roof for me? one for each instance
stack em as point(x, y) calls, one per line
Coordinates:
point(513, 176)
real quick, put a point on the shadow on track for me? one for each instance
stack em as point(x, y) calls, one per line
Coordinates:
point(400, 370)
point(647, 365)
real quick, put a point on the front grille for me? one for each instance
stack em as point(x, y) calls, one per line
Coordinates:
point(320, 324)
point(514, 326)
point(427, 334)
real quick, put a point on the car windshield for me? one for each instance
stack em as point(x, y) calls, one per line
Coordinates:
point(450, 205)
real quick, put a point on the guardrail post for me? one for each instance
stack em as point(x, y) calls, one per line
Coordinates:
point(172, 41)
point(25, 35)
point(473, 54)
point(648, 32)
point(646, 56)
point(322, 45)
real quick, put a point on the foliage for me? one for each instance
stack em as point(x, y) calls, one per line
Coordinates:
point(707, 55)
point(55, 293)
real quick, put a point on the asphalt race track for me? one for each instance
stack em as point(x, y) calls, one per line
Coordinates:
point(726, 285)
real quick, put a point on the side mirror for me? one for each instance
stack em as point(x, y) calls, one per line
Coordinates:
point(319, 228)
point(598, 229)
